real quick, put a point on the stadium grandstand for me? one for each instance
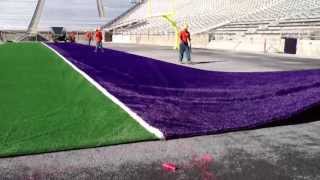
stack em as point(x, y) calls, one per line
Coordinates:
point(242, 25)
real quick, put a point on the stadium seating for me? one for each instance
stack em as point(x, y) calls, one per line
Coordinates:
point(222, 16)
point(16, 15)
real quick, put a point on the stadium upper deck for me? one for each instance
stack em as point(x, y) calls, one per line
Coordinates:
point(210, 14)
point(16, 15)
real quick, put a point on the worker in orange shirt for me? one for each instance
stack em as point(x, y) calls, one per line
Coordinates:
point(89, 36)
point(99, 38)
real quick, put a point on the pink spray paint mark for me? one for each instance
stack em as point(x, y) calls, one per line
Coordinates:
point(203, 164)
point(170, 167)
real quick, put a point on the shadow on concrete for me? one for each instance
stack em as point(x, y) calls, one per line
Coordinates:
point(205, 62)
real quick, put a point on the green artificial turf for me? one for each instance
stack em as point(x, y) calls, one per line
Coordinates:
point(46, 106)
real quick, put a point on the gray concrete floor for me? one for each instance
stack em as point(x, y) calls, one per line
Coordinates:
point(280, 152)
point(217, 60)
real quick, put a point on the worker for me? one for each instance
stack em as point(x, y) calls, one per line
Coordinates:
point(89, 36)
point(185, 44)
point(98, 36)
point(72, 37)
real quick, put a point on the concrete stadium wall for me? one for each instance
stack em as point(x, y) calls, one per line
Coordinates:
point(199, 41)
point(308, 48)
point(249, 43)
point(165, 40)
point(254, 43)
point(13, 35)
point(121, 39)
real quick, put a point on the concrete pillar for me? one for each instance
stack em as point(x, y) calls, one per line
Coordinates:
point(33, 25)
point(100, 7)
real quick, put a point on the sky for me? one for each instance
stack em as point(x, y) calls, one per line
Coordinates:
point(80, 13)
point(68, 13)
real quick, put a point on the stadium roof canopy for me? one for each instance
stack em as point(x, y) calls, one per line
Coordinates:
point(72, 14)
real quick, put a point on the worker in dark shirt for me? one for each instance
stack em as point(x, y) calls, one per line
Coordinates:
point(1, 38)
point(185, 44)
point(89, 36)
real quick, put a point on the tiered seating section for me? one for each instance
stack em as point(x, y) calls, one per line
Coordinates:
point(221, 16)
point(16, 15)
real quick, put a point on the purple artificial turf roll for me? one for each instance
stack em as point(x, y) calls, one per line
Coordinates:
point(182, 101)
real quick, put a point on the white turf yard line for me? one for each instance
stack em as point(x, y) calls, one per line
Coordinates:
point(136, 117)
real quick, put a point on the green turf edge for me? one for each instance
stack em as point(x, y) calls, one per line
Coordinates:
point(46, 106)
